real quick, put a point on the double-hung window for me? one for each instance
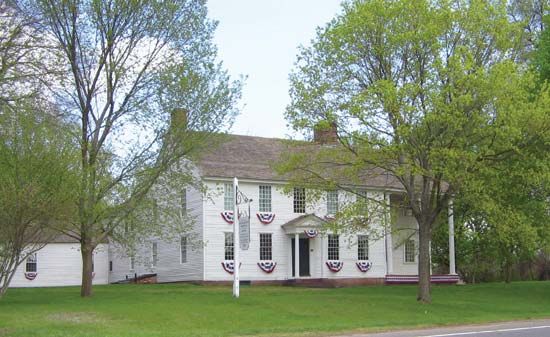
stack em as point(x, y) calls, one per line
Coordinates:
point(154, 254)
point(265, 198)
point(299, 200)
point(332, 202)
point(266, 247)
point(362, 247)
point(333, 247)
point(31, 266)
point(228, 246)
point(228, 197)
point(183, 249)
point(410, 251)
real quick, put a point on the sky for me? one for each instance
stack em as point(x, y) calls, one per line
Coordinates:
point(259, 39)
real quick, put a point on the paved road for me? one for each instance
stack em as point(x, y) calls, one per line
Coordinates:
point(535, 328)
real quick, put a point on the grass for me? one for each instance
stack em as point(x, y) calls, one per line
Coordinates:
point(189, 310)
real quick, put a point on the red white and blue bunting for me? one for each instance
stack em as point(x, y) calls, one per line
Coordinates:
point(364, 266)
point(265, 217)
point(31, 276)
point(311, 233)
point(267, 266)
point(227, 216)
point(229, 266)
point(335, 266)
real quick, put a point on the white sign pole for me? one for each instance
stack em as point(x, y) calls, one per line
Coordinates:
point(236, 246)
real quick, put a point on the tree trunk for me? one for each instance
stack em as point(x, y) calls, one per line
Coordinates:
point(3, 289)
point(87, 261)
point(424, 293)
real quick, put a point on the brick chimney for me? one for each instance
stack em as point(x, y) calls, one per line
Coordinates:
point(325, 133)
point(178, 119)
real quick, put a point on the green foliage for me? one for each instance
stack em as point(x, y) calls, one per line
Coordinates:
point(38, 173)
point(429, 93)
point(143, 81)
point(541, 59)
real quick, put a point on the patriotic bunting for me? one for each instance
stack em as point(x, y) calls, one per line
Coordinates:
point(364, 266)
point(229, 266)
point(267, 266)
point(265, 217)
point(311, 233)
point(227, 216)
point(30, 276)
point(335, 266)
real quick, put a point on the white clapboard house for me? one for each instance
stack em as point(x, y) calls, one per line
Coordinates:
point(289, 240)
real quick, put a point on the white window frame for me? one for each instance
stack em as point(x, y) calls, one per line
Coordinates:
point(332, 202)
point(183, 249)
point(264, 198)
point(299, 204)
point(266, 249)
point(32, 259)
point(228, 249)
point(335, 248)
point(359, 250)
point(132, 263)
point(228, 197)
point(405, 245)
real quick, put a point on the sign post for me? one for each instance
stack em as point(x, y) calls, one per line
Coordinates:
point(241, 232)
point(236, 245)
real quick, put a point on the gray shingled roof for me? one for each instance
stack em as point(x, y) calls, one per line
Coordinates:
point(248, 157)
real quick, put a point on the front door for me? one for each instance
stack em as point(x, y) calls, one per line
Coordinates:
point(304, 257)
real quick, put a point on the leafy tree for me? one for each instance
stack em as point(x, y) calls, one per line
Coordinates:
point(37, 177)
point(541, 59)
point(129, 66)
point(426, 91)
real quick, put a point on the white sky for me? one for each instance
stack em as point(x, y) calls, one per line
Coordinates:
point(259, 38)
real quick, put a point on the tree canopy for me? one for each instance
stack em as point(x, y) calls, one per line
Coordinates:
point(430, 92)
point(142, 81)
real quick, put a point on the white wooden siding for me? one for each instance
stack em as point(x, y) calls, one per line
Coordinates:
point(169, 267)
point(405, 226)
point(60, 264)
point(282, 206)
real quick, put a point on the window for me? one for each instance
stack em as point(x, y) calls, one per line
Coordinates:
point(265, 246)
point(362, 247)
point(333, 247)
point(265, 198)
point(299, 200)
point(410, 251)
point(132, 263)
point(110, 265)
point(93, 263)
point(183, 201)
point(228, 197)
point(332, 202)
point(183, 249)
point(154, 254)
point(31, 265)
point(228, 246)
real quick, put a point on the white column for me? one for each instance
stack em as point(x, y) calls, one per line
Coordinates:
point(296, 255)
point(389, 242)
point(236, 243)
point(452, 263)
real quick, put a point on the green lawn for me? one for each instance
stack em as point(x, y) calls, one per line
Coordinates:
point(188, 310)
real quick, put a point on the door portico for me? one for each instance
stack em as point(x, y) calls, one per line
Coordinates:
point(300, 245)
